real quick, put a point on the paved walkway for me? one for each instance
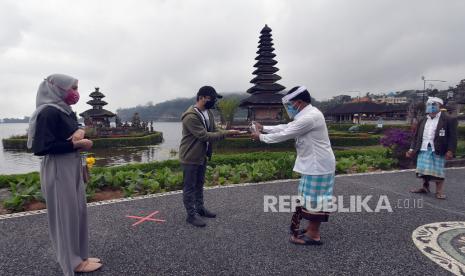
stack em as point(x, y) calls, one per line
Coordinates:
point(244, 240)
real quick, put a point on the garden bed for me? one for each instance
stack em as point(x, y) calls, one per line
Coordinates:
point(224, 169)
point(157, 177)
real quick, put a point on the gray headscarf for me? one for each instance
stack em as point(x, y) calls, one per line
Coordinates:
point(52, 92)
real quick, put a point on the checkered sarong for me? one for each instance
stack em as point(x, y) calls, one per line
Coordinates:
point(315, 189)
point(430, 164)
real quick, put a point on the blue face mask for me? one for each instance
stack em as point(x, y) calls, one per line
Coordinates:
point(431, 108)
point(291, 110)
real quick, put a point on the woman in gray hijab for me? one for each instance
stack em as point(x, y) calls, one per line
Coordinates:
point(54, 133)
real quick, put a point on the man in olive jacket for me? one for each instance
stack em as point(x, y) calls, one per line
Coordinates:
point(198, 133)
point(434, 142)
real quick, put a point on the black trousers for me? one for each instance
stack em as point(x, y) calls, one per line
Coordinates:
point(192, 192)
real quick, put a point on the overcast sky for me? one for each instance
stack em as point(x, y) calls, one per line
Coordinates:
point(140, 51)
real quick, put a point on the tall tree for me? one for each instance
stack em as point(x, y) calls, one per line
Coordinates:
point(227, 109)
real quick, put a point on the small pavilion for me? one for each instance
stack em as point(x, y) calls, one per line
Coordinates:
point(97, 116)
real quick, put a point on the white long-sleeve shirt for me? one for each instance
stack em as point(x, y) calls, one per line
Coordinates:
point(314, 153)
point(429, 132)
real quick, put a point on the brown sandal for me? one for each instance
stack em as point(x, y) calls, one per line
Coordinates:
point(87, 266)
point(440, 196)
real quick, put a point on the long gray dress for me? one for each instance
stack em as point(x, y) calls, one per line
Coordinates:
point(64, 191)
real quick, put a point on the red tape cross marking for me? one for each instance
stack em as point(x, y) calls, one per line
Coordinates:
point(147, 218)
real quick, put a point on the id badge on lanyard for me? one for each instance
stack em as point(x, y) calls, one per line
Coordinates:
point(442, 132)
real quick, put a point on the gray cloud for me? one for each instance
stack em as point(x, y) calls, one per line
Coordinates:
point(141, 51)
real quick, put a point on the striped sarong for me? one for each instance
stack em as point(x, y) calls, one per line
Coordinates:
point(430, 164)
point(315, 190)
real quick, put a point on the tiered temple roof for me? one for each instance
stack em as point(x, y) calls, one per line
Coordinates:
point(265, 89)
point(97, 104)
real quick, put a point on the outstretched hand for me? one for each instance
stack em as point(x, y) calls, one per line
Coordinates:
point(255, 136)
point(258, 126)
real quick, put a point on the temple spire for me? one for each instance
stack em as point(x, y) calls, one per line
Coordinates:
point(265, 80)
point(264, 105)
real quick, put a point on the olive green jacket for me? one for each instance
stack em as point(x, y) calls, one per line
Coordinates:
point(193, 148)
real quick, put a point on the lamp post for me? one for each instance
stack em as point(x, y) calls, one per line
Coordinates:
point(424, 85)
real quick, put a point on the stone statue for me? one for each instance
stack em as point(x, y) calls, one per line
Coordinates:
point(118, 121)
point(136, 121)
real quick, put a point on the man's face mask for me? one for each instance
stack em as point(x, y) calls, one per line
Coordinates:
point(432, 108)
point(210, 103)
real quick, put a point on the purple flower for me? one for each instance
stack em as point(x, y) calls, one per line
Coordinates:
point(397, 139)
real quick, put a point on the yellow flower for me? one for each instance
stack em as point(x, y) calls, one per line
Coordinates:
point(90, 162)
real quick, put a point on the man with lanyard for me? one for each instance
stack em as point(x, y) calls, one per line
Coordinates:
point(315, 161)
point(434, 142)
point(198, 133)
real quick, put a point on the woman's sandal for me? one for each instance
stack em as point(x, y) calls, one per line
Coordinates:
point(306, 240)
point(440, 196)
point(87, 266)
point(94, 260)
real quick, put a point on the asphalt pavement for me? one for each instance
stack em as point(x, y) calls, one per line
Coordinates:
point(245, 240)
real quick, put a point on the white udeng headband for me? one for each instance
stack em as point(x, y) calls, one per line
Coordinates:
point(434, 100)
point(299, 90)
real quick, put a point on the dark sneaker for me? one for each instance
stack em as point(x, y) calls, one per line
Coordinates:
point(205, 213)
point(196, 221)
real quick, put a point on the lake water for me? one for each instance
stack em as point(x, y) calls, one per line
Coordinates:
point(21, 162)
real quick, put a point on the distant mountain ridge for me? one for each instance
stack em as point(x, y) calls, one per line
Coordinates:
point(168, 111)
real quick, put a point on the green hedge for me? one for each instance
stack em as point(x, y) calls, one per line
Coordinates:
point(364, 128)
point(355, 141)
point(99, 143)
point(371, 127)
point(461, 132)
point(348, 134)
point(460, 149)
point(338, 140)
point(247, 143)
point(15, 143)
point(151, 139)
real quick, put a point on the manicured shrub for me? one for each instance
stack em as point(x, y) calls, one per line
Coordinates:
point(99, 143)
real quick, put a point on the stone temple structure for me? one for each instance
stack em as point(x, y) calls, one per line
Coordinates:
point(97, 116)
point(264, 105)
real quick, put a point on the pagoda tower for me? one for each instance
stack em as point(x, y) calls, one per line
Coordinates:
point(264, 105)
point(97, 116)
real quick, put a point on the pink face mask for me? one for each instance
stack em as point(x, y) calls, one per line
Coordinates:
point(72, 97)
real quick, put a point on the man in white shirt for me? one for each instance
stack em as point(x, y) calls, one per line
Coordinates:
point(315, 161)
point(434, 142)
